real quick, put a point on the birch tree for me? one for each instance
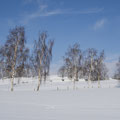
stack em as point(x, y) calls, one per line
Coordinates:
point(13, 52)
point(95, 67)
point(100, 68)
point(73, 62)
point(117, 74)
point(91, 56)
point(42, 57)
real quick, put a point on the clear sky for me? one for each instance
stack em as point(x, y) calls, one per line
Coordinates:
point(92, 23)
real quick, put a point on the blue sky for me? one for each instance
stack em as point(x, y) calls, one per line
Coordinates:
point(92, 23)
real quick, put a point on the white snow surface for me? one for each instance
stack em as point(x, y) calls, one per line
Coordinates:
point(57, 100)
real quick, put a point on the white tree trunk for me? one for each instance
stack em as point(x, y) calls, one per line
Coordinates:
point(89, 78)
point(39, 80)
point(98, 81)
point(13, 65)
point(39, 74)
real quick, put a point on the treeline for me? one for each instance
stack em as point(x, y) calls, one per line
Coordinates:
point(88, 64)
point(16, 60)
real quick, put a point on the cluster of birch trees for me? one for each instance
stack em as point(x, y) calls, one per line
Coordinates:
point(88, 64)
point(16, 60)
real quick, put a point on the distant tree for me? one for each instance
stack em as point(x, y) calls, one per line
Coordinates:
point(27, 68)
point(2, 72)
point(117, 74)
point(2, 64)
point(14, 53)
point(62, 72)
point(47, 58)
point(33, 65)
point(89, 64)
point(94, 66)
point(84, 64)
point(73, 62)
point(22, 65)
point(42, 57)
point(100, 68)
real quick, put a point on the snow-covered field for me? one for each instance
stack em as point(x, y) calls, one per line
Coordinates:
point(55, 83)
point(58, 101)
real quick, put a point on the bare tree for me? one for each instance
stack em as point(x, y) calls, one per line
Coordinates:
point(62, 72)
point(47, 58)
point(42, 57)
point(84, 64)
point(117, 74)
point(100, 68)
point(2, 63)
point(95, 67)
point(13, 53)
point(91, 56)
point(73, 62)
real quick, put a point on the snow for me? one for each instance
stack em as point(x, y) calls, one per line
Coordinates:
point(55, 101)
point(53, 83)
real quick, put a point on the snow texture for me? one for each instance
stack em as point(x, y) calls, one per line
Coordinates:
point(58, 101)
